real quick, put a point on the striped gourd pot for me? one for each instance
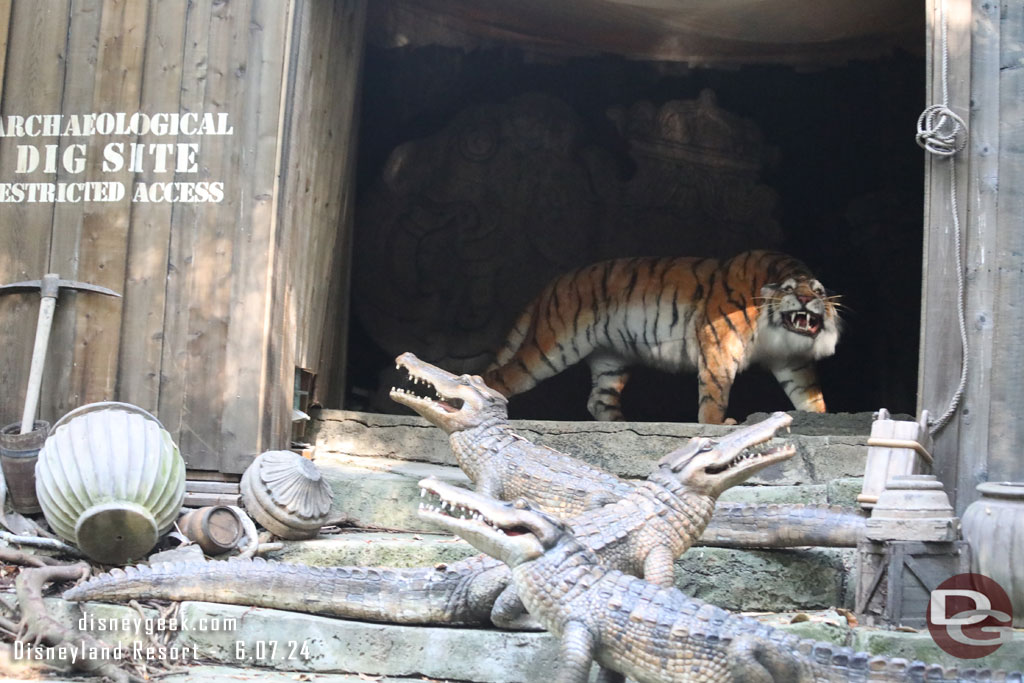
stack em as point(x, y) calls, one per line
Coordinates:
point(110, 480)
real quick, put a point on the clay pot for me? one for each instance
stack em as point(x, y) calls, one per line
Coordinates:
point(216, 529)
point(286, 494)
point(110, 480)
point(994, 526)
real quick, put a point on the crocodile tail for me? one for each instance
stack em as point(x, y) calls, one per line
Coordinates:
point(411, 596)
point(750, 656)
point(741, 525)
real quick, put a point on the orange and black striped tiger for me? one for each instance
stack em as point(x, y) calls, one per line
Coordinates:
point(675, 314)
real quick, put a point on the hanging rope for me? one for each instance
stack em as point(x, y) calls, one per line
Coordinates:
point(942, 133)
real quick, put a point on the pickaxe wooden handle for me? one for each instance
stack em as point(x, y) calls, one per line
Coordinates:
point(49, 288)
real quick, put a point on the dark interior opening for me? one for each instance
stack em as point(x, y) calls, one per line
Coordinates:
point(844, 167)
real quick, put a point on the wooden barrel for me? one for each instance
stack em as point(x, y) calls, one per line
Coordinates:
point(18, 455)
point(216, 528)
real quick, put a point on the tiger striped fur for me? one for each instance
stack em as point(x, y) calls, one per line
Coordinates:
point(675, 314)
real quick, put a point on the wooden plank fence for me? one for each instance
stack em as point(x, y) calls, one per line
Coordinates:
point(208, 242)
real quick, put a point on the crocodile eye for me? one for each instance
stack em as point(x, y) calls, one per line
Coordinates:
point(521, 504)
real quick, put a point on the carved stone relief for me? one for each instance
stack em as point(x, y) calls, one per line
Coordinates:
point(467, 225)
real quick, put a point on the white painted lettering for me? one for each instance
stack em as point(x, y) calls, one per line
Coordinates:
point(50, 163)
point(28, 159)
point(73, 163)
point(113, 157)
point(185, 156)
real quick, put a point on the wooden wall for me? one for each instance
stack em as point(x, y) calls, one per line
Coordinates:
point(986, 67)
point(221, 298)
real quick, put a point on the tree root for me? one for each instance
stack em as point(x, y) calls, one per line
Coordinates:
point(38, 626)
point(12, 556)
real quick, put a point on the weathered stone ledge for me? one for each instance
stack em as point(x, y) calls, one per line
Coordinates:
point(340, 651)
point(382, 493)
point(761, 580)
point(628, 449)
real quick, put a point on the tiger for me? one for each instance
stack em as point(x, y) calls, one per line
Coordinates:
point(675, 314)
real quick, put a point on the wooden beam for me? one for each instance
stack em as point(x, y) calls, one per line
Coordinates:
point(151, 225)
point(78, 79)
point(181, 268)
point(940, 349)
point(982, 442)
point(5, 36)
point(318, 180)
point(252, 393)
point(1006, 426)
point(35, 59)
point(332, 354)
point(103, 243)
point(980, 198)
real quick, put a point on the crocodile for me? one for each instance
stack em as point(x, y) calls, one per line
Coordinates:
point(633, 627)
point(504, 465)
point(500, 463)
point(642, 532)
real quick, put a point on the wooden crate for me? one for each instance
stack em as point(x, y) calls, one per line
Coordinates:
point(895, 578)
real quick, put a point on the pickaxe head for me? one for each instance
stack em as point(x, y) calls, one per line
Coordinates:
point(51, 283)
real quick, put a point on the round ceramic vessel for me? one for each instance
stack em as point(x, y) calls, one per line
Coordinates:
point(286, 494)
point(112, 481)
point(994, 526)
point(215, 528)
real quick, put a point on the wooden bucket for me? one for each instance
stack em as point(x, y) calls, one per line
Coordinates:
point(18, 455)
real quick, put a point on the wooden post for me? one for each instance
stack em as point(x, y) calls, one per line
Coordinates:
point(979, 444)
point(1006, 262)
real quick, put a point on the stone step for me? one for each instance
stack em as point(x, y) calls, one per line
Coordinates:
point(258, 642)
point(376, 492)
point(744, 580)
point(829, 447)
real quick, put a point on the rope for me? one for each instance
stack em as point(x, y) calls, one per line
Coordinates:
point(942, 133)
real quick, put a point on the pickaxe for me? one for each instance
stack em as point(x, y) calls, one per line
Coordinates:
point(49, 287)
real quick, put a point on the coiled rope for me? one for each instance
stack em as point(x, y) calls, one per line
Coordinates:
point(942, 133)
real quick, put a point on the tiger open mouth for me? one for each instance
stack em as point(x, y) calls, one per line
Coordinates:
point(423, 390)
point(802, 322)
